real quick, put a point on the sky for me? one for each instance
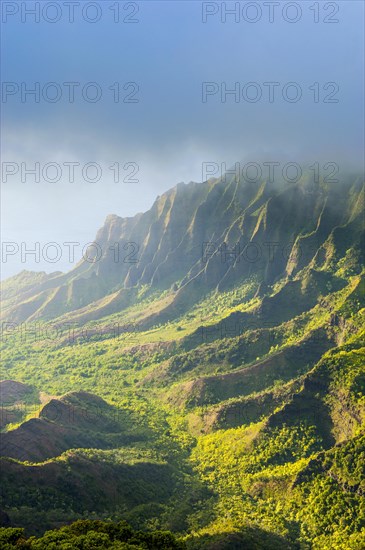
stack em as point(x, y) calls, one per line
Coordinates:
point(132, 98)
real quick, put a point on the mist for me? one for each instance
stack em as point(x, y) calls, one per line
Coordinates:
point(180, 88)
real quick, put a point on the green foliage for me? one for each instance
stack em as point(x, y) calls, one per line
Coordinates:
point(289, 475)
point(91, 535)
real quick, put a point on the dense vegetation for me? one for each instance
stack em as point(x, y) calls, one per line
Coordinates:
point(88, 535)
point(233, 405)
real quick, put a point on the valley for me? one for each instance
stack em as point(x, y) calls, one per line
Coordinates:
point(201, 390)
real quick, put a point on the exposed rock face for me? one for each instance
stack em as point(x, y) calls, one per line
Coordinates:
point(198, 237)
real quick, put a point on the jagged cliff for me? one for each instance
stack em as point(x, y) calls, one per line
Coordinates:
point(198, 237)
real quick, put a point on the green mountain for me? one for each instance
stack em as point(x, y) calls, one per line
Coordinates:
point(201, 371)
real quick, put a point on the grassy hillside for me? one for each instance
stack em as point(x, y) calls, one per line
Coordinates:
point(220, 400)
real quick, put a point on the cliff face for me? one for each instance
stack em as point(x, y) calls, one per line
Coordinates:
point(226, 305)
point(197, 237)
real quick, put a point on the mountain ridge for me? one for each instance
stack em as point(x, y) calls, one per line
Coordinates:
point(238, 370)
point(140, 250)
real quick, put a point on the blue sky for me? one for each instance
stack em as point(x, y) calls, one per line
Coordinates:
point(169, 132)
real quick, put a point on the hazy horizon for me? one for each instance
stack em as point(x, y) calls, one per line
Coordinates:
point(186, 95)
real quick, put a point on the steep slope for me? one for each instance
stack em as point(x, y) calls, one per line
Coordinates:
point(233, 351)
point(197, 237)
